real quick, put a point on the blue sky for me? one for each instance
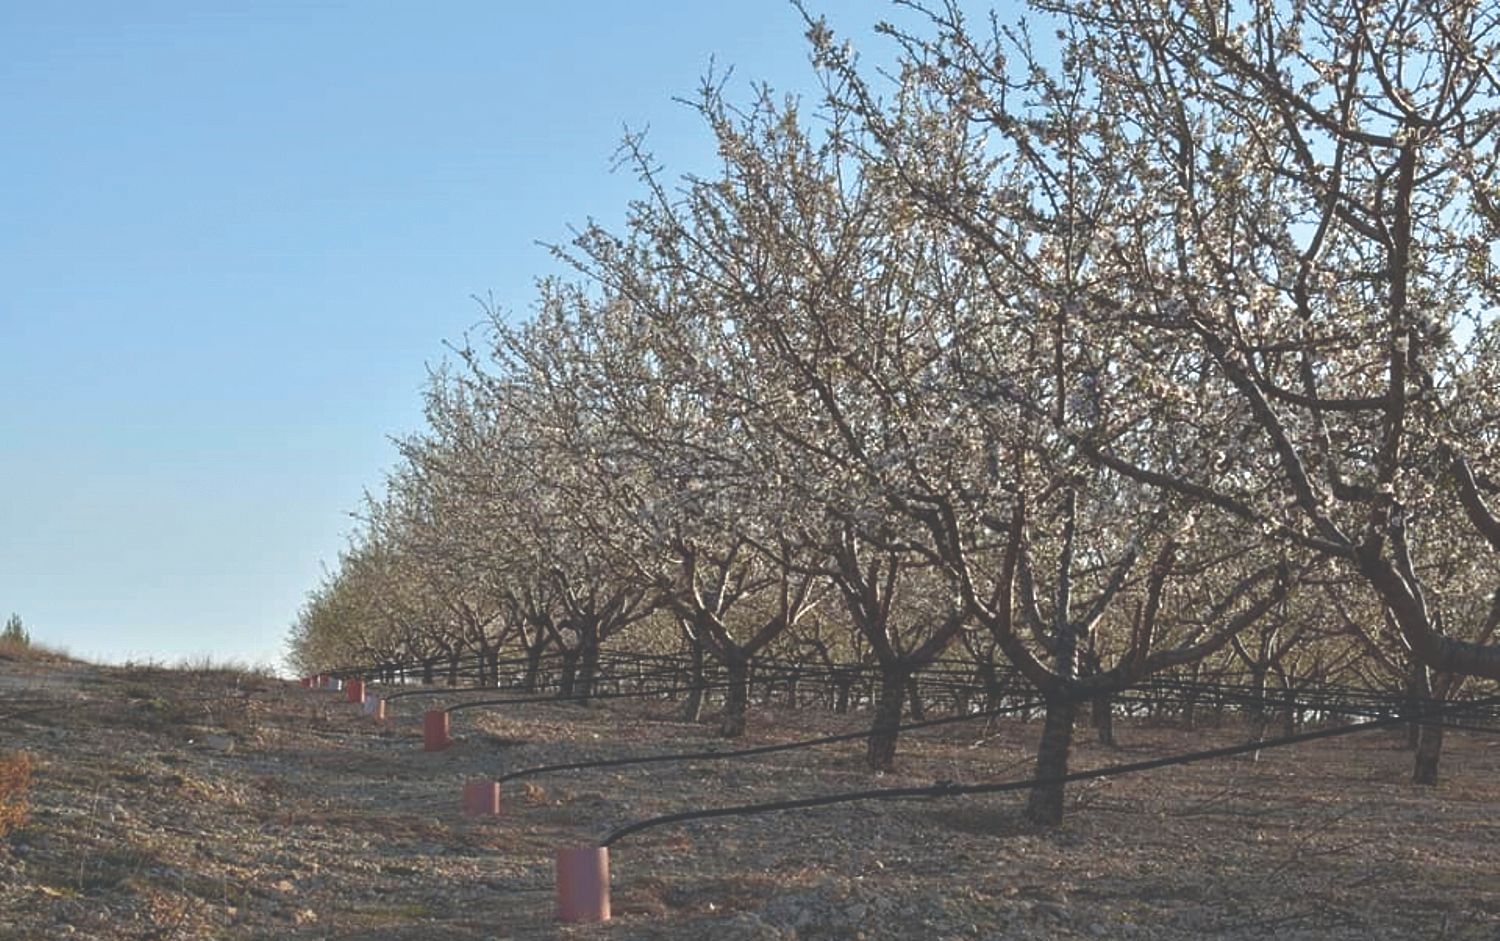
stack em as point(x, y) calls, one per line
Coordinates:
point(234, 235)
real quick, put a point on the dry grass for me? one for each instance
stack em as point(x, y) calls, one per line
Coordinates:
point(32, 652)
point(211, 803)
point(15, 785)
point(204, 667)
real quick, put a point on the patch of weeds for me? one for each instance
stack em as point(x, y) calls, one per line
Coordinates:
point(15, 786)
point(31, 652)
point(242, 673)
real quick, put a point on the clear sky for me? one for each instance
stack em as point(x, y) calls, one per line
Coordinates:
point(234, 235)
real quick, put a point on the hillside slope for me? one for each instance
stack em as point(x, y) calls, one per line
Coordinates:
point(212, 804)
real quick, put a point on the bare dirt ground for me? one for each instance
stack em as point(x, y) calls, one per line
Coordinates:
point(219, 805)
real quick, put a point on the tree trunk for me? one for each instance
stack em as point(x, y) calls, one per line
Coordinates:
point(1418, 691)
point(692, 709)
point(1045, 805)
point(881, 753)
point(533, 667)
point(737, 698)
point(1429, 750)
point(569, 680)
point(1258, 714)
point(588, 664)
point(1190, 700)
point(961, 697)
point(453, 664)
point(1102, 712)
point(914, 699)
point(1289, 713)
point(842, 686)
point(993, 692)
point(429, 671)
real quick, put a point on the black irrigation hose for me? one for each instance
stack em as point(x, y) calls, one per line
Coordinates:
point(456, 690)
point(715, 754)
point(1406, 707)
point(1420, 717)
point(958, 678)
point(759, 678)
point(668, 662)
point(589, 697)
point(435, 690)
point(1445, 724)
point(950, 789)
point(444, 690)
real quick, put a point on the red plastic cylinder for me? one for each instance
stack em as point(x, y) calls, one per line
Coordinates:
point(355, 690)
point(435, 730)
point(583, 884)
point(482, 798)
point(307, 682)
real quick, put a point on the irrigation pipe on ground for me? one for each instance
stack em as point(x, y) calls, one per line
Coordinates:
point(950, 789)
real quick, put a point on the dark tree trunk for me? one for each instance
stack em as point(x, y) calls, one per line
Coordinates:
point(961, 701)
point(1258, 713)
point(1429, 750)
point(737, 697)
point(1289, 714)
point(842, 686)
point(1418, 691)
point(1102, 712)
point(993, 691)
point(692, 709)
point(1190, 700)
point(533, 667)
point(881, 753)
point(453, 664)
point(588, 668)
point(1045, 805)
point(587, 671)
point(914, 699)
point(569, 680)
point(429, 671)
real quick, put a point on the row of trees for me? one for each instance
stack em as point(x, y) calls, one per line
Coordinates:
point(1168, 336)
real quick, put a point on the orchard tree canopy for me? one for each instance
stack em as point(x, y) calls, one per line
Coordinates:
point(1113, 339)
